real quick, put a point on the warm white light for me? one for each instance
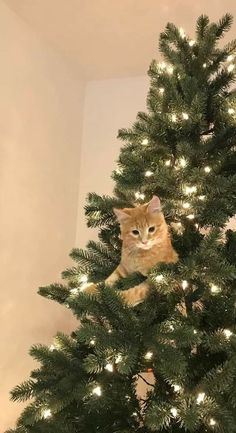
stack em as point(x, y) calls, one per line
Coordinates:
point(207, 169)
point(202, 197)
point(231, 67)
point(190, 189)
point(177, 388)
point(215, 289)
point(83, 279)
point(212, 422)
point(182, 32)
point(148, 173)
point(118, 359)
point(230, 58)
point(227, 333)
point(185, 116)
point(186, 205)
point(231, 111)
point(174, 411)
point(145, 141)
point(47, 413)
point(109, 331)
point(194, 331)
point(170, 70)
point(172, 328)
point(191, 43)
point(97, 390)
point(162, 65)
point(109, 367)
point(139, 195)
point(148, 355)
point(161, 90)
point(74, 291)
point(200, 397)
point(184, 284)
point(92, 342)
point(168, 162)
point(190, 216)
point(204, 65)
point(119, 170)
point(52, 348)
point(197, 226)
point(174, 118)
point(159, 278)
point(182, 162)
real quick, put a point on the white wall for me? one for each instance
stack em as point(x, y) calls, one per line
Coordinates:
point(40, 128)
point(109, 106)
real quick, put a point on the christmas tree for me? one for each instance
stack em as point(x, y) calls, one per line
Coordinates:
point(184, 332)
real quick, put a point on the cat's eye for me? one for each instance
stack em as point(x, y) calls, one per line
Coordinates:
point(135, 232)
point(151, 229)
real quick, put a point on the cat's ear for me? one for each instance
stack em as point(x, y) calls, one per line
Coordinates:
point(121, 215)
point(154, 205)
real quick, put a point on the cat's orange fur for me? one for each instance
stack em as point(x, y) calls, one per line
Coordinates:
point(141, 249)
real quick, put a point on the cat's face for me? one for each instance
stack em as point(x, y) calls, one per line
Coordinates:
point(141, 227)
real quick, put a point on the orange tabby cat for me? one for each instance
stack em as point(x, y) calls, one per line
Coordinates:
point(146, 242)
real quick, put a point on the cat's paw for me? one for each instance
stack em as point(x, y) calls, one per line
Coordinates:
point(89, 288)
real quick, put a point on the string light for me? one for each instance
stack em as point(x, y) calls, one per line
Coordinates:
point(182, 162)
point(231, 111)
point(159, 278)
point(148, 173)
point(52, 348)
point(190, 216)
point(212, 422)
point(184, 284)
point(172, 328)
point(230, 58)
point(215, 289)
point(227, 333)
point(83, 279)
point(97, 391)
point(174, 411)
point(177, 388)
point(194, 331)
point(168, 162)
point(148, 356)
point(204, 65)
point(197, 226)
point(109, 331)
point(145, 141)
point(231, 67)
point(74, 291)
point(118, 359)
point(170, 70)
point(92, 342)
point(190, 189)
point(161, 90)
point(186, 205)
point(173, 118)
point(207, 169)
point(139, 195)
point(182, 32)
point(162, 65)
point(109, 367)
point(202, 197)
point(119, 170)
point(185, 116)
point(192, 42)
point(200, 397)
point(47, 413)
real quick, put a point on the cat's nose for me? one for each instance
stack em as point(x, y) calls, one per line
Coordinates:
point(144, 242)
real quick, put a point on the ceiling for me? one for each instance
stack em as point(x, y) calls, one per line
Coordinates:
point(113, 38)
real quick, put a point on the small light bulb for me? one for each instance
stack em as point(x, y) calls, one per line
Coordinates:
point(194, 331)
point(185, 116)
point(83, 279)
point(192, 42)
point(92, 342)
point(179, 224)
point(177, 388)
point(109, 367)
point(148, 356)
point(231, 111)
point(231, 67)
point(186, 205)
point(190, 189)
point(74, 291)
point(207, 169)
point(197, 226)
point(118, 359)
point(97, 390)
point(202, 197)
point(47, 413)
point(119, 171)
point(109, 331)
point(145, 141)
point(174, 411)
point(170, 70)
point(182, 32)
point(204, 65)
point(161, 90)
point(174, 118)
point(215, 289)
point(182, 162)
point(168, 162)
point(162, 65)
point(230, 58)
point(212, 422)
point(190, 216)
point(200, 397)
point(159, 278)
point(184, 284)
point(171, 327)
point(52, 348)
point(148, 173)
point(227, 333)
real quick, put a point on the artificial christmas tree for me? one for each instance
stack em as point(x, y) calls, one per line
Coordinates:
point(182, 150)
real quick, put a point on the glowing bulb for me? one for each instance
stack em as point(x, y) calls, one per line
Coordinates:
point(191, 43)
point(74, 291)
point(190, 216)
point(161, 90)
point(174, 411)
point(202, 197)
point(215, 289)
point(170, 70)
point(168, 162)
point(139, 195)
point(145, 141)
point(190, 189)
point(148, 355)
point(194, 331)
point(174, 118)
point(97, 390)
point(204, 65)
point(119, 171)
point(182, 162)
point(227, 333)
point(200, 397)
point(177, 388)
point(171, 327)
point(231, 67)
point(197, 226)
point(109, 367)
point(159, 278)
point(118, 359)
point(162, 65)
point(230, 58)
point(185, 116)
point(182, 32)
point(109, 331)
point(231, 111)
point(212, 422)
point(83, 279)
point(207, 169)
point(92, 342)
point(52, 348)
point(184, 284)
point(148, 173)
point(47, 413)
point(186, 205)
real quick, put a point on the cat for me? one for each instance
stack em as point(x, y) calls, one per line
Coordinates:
point(145, 243)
